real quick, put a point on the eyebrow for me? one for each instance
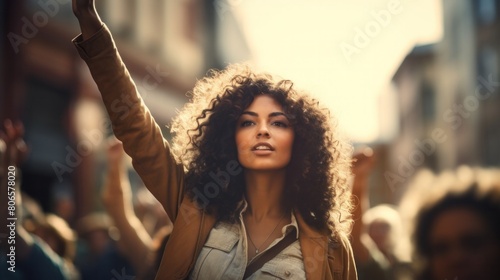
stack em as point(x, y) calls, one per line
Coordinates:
point(273, 114)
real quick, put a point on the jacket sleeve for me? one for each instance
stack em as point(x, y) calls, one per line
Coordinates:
point(131, 120)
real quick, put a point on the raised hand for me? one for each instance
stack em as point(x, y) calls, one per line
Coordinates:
point(83, 6)
point(363, 163)
point(115, 152)
point(16, 148)
point(87, 16)
point(14, 152)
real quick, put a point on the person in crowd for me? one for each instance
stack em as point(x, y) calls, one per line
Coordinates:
point(457, 230)
point(53, 230)
point(134, 242)
point(380, 244)
point(256, 181)
point(32, 257)
point(150, 212)
point(99, 257)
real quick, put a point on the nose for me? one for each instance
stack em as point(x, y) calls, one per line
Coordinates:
point(263, 131)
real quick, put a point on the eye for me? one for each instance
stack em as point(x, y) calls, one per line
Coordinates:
point(280, 124)
point(440, 249)
point(246, 123)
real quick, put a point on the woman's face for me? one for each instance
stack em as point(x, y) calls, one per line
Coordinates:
point(264, 137)
point(463, 246)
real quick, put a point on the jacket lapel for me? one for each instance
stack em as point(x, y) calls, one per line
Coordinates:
point(191, 229)
point(314, 246)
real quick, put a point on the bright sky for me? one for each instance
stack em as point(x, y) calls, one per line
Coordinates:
point(344, 52)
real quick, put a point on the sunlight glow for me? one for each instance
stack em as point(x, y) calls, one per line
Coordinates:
point(343, 52)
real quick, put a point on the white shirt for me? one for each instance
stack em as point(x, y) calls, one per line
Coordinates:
point(224, 255)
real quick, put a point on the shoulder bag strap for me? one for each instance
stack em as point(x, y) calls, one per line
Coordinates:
point(270, 254)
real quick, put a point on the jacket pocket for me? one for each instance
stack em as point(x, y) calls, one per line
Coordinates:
point(286, 265)
point(280, 271)
point(216, 254)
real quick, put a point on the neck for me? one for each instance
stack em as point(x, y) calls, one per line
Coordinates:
point(264, 194)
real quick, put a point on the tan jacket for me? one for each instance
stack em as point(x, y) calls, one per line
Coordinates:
point(164, 177)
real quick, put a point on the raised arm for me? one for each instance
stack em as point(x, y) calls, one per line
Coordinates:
point(32, 257)
point(14, 148)
point(132, 122)
point(362, 166)
point(362, 245)
point(135, 243)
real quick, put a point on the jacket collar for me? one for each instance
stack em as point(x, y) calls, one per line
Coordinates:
point(191, 230)
point(314, 247)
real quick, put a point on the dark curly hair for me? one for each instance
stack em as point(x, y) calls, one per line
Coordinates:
point(483, 199)
point(205, 144)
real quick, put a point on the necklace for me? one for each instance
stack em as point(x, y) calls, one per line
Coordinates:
point(275, 227)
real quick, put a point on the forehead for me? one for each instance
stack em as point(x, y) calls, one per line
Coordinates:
point(458, 221)
point(264, 102)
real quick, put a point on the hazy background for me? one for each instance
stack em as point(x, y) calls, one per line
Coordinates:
point(414, 79)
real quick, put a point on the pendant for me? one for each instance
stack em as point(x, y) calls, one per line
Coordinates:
point(257, 251)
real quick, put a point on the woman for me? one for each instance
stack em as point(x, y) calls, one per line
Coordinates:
point(253, 164)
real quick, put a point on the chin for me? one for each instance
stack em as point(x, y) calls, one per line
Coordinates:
point(265, 167)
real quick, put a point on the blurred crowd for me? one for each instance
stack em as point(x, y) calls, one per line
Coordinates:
point(123, 242)
point(446, 226)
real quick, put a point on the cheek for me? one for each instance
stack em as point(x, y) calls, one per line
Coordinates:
point(242, 142)
point(286, 147)
point(489, 254)
point(288, 142)
point(438, 269)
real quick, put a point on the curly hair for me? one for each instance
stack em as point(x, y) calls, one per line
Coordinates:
point(205, 144)
point(481, 199)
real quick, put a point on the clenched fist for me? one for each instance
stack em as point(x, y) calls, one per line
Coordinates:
point(87, 16)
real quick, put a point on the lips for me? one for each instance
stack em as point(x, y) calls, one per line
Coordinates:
point(263, 147)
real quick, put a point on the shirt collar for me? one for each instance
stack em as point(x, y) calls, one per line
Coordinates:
point(284, 230)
